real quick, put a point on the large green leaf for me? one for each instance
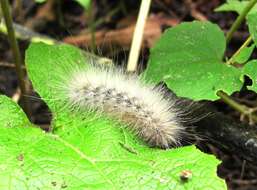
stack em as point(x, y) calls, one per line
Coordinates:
point(32, 159)
point(86, 151)
point(188, 58)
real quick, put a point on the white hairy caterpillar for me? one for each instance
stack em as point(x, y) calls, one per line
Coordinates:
point(151, 115)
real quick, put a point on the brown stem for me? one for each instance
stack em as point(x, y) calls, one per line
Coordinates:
point(16, 54)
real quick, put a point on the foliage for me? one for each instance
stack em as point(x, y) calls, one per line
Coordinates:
point(238, 6)
point(85, 150)
point(191, 54)
point(83, 3)
point(244, 54)
point(235, 5)
point(252, 24)
point(40, 1)
point(250, 70)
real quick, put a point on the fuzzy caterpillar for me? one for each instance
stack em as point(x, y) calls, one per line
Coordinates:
point(143, 107)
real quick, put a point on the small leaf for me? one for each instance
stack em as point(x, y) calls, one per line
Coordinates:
point(244, 54)
point(252, 24)
point(250, 69)
point(84, 3)
point(40, 1)
point(235, 5)
point(188, 58)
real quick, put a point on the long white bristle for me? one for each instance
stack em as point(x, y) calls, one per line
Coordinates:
point(146, 110)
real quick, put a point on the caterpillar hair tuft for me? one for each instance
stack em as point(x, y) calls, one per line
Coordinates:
point(145, 109)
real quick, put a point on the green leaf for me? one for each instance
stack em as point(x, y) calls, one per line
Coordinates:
point(235, 5)
point(244, 54)
point(32, 159)
point(86, 151)
point(252, 24)
point(84, 3)
point(70, 159)
point(11, 114)
point(47, 70)
point(250, 69)
point(188, 58)
point(40, 1)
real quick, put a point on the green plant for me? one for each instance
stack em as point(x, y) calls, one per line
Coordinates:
point(85, 150)
point(88, 150)
point(83, 3)
point(195, 66)
point(16, 53)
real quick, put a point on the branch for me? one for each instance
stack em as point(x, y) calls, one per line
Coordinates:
point(240, 19)
point(17, 55)
point(228, 134)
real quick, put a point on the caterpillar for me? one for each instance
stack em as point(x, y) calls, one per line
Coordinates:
point(152, 116)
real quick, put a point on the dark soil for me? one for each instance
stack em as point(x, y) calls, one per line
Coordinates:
point(68, 19)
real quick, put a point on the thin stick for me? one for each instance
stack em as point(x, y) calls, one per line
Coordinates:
point(16, 54)
point(240, 19)
point(138, 35)
point(92, 26)
point(9, 65)
point(245, 44)
point(19, 7)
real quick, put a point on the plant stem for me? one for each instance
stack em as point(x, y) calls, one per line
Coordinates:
point(92, 26)
point(19, 7)
point(59, 13)
point(239, 20)
point(241, 108)
point(245, 44)
point(230, 101)
point(1, 15)
point(16, 54)
point(109, 14)
point(123, 7)
point(138, 35)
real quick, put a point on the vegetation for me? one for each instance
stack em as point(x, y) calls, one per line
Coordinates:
point(87, 150)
